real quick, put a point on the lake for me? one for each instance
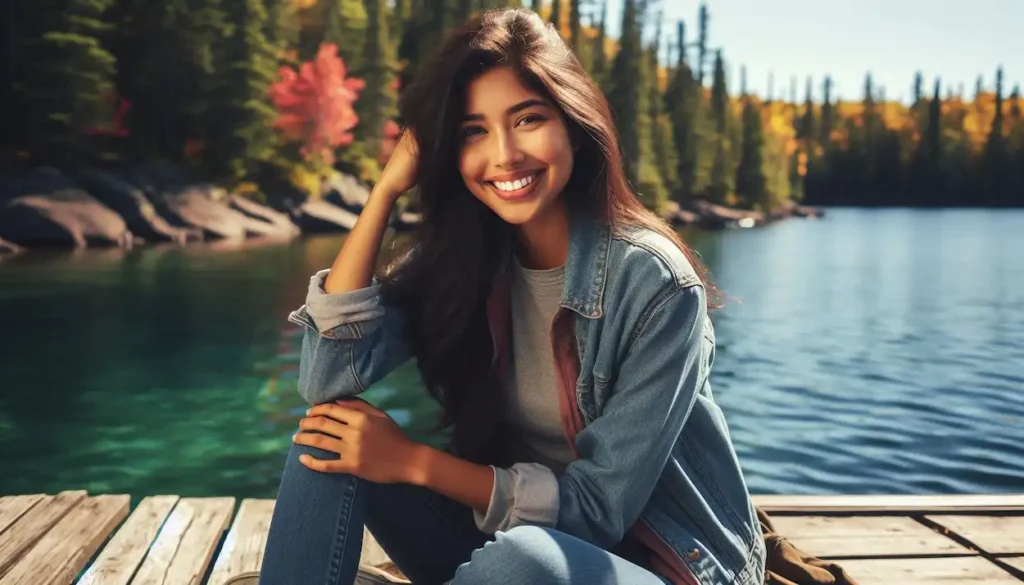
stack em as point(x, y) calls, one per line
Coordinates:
point(874, 351)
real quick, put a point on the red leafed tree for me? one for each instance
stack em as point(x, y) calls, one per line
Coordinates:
point(314, 104)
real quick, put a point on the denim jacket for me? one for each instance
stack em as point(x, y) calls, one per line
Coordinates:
point(633, 349)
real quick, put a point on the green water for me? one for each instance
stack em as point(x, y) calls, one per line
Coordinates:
point(874, 352)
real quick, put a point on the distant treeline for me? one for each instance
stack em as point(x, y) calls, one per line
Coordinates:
point(249, 93)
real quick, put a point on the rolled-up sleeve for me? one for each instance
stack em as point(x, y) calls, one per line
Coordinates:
point(357, 313)
point(351, 340)
point(526, 493)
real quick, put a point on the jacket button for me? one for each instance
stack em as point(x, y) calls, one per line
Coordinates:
point(693, 555)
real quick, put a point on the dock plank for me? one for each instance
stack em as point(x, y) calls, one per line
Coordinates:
point(65, 549)
point(243, 547)
point(125, 551)
point(952, 570)
point(996, 534)
point(185, 544)
point(14, 507)
point(890, 504)
point(864, 536)
point(33, 524)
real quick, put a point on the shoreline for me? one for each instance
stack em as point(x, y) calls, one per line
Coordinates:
point(154, 205)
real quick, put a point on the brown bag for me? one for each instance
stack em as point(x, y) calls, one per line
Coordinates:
point(787, 565)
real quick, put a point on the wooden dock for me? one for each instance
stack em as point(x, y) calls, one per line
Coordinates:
point(74, 537)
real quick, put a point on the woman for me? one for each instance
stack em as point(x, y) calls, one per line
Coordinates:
point(562, 327)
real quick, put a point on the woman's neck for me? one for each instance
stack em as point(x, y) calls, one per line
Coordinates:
point(544, 242)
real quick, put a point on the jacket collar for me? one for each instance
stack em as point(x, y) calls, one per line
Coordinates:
point(586, 266)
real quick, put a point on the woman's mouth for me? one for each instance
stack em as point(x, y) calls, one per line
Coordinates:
point(517, 189)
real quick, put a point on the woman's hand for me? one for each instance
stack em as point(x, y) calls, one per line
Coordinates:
point(371, 445)
point(399, 174)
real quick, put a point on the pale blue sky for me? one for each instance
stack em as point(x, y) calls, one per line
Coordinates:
point(954, 39)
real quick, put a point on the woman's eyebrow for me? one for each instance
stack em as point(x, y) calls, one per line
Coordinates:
point(530, 103)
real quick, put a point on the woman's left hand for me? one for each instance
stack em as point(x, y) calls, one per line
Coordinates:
point(370, 443)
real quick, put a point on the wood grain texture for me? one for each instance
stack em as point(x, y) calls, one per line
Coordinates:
point(33, 525)
point(65, 549)
point(947, 571)
point(883, 504)
point(864, 536)
point(244, 544)
point(183, 548)
point(124, 553)
point(14, 507)
point(996, 534)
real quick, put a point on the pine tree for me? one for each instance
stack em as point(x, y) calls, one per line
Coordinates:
point(806, 131)
point(995, 157)
point(64, 79)
point(719, 94)
point(627, 88)
point(750, 178)
point(239, 126)
point(664, 154)
point(556, 14)
point(377, 101)
point(599, 69)
point(683, 100)
point(702, 42)
point(575, 29)
point(718, 151)
point(346, 25)
point(827, 112)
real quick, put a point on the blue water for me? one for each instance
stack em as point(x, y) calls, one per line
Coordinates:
point(874, 351)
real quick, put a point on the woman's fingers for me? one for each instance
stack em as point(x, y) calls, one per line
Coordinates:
point(325, 442)
point(325, 425)
point(325, 465)
point(338, 412)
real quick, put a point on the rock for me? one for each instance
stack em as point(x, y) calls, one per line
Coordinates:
point(7, 248)
point(314, 217)
point(45, 208)
point(346, 192)
point(713, 215)
point(131, 203)
point(205, 208)
point(282, 225)
point(679, 217)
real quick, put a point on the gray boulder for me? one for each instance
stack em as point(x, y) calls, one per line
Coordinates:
point(45, 208)
point(281, 224)
point(316, 217)
point(131, 203)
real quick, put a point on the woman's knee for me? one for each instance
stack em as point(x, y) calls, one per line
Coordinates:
point(521, 555)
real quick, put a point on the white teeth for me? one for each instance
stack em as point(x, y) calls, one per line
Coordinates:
point(514, 185)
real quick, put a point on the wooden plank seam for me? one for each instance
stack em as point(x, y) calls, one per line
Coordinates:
point(967, 543)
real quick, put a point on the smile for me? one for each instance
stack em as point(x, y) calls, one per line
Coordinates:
point(517, 188)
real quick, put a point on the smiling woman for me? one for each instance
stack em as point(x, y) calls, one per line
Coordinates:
point(562, 327)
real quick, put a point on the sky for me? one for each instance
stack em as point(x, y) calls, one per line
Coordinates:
point(956, 40)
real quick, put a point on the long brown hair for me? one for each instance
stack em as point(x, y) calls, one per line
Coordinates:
point(443, 285)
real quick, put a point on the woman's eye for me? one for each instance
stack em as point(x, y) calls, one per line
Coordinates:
point(469, 131)
point(529, 118)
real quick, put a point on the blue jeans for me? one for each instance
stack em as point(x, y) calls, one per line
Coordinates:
point(316, 534)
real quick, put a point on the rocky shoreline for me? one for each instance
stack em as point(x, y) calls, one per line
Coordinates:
point(138, 205)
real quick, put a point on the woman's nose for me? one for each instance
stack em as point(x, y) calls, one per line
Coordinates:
point(508, 153)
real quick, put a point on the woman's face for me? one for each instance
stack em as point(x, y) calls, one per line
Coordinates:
point(515, 155)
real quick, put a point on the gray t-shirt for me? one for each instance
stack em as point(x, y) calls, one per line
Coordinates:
point(531, 397)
